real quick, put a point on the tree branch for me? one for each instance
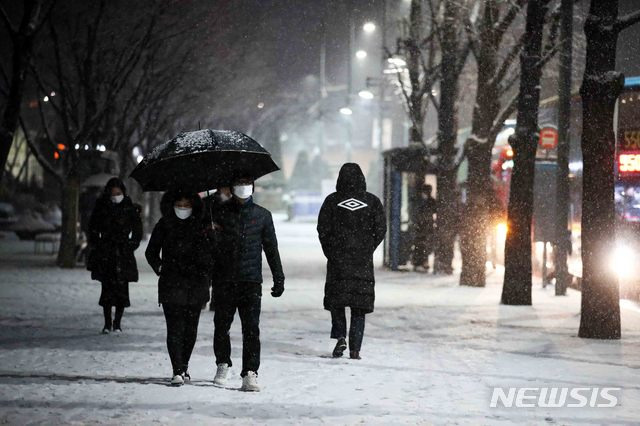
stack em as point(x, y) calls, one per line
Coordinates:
point(7, 22)
point(39, 157)
point(627, 20)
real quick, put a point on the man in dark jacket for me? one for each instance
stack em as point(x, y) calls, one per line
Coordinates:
point(212, 204)
point(242, 230)
point(350, 226)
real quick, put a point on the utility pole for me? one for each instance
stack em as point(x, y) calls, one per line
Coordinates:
point(563, 235)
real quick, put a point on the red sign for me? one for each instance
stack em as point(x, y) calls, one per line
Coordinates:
point(548, 138)
point(629, 163)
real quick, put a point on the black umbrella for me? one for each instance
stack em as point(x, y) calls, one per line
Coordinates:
point(202, 160)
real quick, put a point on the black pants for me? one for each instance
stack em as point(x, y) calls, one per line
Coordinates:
point(108, 323)
point(182, 332)
point(246, 298)
point(356, 329)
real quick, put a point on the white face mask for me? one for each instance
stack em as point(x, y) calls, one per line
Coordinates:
point(182, 212)
point(117, 199)
point(243, 191)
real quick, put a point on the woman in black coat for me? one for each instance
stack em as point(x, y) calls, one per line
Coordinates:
point(350, 226)
point(115, 231)
point(183, 267)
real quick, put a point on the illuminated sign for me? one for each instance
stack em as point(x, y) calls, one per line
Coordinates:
point(630, 140)
point(629, 163)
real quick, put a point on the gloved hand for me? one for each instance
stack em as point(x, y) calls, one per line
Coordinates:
point(277, 289)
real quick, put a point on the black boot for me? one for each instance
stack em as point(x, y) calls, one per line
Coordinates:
point(341, 345)
point(354, 354)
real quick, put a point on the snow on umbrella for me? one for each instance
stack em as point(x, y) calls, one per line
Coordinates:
point(201, 160)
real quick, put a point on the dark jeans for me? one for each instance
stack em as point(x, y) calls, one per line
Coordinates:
point(246, 298)
point(356, 330)
point(106, 310)
point(182, 332)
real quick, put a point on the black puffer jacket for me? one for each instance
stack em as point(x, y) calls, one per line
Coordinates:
point(186, 258)
point(246, 229)
point(350, 226)
point(115, 231)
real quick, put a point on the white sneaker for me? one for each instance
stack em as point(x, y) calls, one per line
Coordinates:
point(106, 331)
point(250, 382)
point(221, 374)
point(177, 380)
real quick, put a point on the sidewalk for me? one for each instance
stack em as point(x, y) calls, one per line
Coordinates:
point(432, 352)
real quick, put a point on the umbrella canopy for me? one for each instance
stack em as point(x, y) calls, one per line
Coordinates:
point(201, 160)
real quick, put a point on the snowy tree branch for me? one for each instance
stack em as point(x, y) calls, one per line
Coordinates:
point(627, 21)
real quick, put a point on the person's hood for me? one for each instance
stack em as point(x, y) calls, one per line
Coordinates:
point(351, 179)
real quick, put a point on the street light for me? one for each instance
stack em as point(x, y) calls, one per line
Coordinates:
point(346, 111)
point(366, 94)
point(369, 27)
point(361, 54)
point(397, 62)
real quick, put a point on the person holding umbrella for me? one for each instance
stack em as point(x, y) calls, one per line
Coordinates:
point(115, 231)
point(183, 269)
point(242, 230)
point(351, 225)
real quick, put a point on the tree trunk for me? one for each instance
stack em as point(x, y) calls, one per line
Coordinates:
point(22, 44)
point(516, 289)
point(68, 239)
point(563, 234)
point(601, 86)
point(447, 213)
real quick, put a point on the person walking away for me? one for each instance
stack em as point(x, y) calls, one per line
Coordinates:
point(183, 269)
point(425, 210)
point(242, 230)
point(212, 204)
point(115, 231)
point(351, 225)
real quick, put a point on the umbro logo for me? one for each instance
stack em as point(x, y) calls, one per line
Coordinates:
point(352, 204)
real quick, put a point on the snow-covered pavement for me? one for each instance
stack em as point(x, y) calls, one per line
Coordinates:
point(432, 352)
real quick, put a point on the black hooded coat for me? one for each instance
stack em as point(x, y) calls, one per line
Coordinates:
point(351, 225)
point(115, 231)
point(180, 253)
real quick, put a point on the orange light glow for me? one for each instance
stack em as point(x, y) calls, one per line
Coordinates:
point(56, 155)
point(509, 153)
point(61, 147)
point(629, 163)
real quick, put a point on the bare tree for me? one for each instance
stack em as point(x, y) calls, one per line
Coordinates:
point(517, 279)
point(22, 37)
point(601, 86)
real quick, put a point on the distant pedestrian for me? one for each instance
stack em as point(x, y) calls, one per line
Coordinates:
point(351, 225)
point(423, 228)
point(242, 230)
point(115, 231)
point(179, 252)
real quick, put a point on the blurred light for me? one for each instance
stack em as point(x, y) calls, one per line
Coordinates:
point(135, 151)
point(391, 71)
point(261, 105)
point(77, 146)
point(369, 27)
point(507, 165)
point(61, 147)
point(622, 261)
point(509, 152)
point(139, 158)
point(397, 62)
point(52, 94)
point(86, 147)
point(56, 156)
point(501, 232)
point(346, 111)
point(434, 92)
point(361, 54)
point(575, 166)
point(46, 99)
point(101, 148)
point(365, 94)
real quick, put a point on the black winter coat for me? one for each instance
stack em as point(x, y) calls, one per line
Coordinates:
point(246, 230)
point(115, 231)
point(185, 262)
point(350, 226)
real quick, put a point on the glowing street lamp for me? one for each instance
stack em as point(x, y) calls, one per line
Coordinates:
point(361, 54)
point(346, 111)
point(369, 27)
point(366, 94)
